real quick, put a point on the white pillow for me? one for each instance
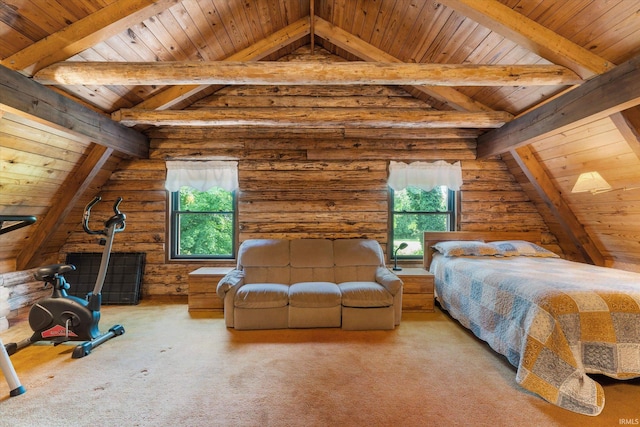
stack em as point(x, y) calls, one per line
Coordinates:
point(521, 248)
point(465, 248)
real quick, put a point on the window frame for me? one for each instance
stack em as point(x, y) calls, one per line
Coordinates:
point(453, 203)
point(174, 229)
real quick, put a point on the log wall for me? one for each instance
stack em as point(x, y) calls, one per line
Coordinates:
point(288, 189)
point(18, 291)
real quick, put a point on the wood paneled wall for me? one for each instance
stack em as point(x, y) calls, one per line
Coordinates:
point(284, 193)
point(294, 182)
point(610, 218)
point(34, 163)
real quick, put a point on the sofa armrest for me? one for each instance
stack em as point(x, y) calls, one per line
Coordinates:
point(230, 280)
point(389, 280)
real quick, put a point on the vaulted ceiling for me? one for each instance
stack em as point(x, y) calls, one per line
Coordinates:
point(511, 72)
point(462, 55)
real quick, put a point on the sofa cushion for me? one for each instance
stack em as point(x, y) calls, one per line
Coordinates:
point(352, 252)
point(314, 295)
point(263, 253)
point(365, 294)
point(267, 275)
point(262, 295)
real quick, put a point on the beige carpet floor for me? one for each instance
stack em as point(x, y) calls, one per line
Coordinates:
point(170, 368)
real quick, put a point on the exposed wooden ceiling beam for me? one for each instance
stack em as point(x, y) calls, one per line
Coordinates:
point(312, 31)
point(85, 33)
point(24, 98)
point(367, 52)
point(545, 188)
point(603, 95)
point(324, 134)
point(405, 118)
point(65, 200)
point(443, 133)
point(166, 99)
point(302, 73)
point(255, 52)
point(516, 27)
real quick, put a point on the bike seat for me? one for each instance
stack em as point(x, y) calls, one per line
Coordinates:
point(50, 271)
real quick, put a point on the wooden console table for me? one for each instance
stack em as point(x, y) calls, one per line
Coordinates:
point(202, 289)
point(417, 293)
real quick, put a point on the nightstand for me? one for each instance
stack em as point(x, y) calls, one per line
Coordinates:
point(202, 289)
point(417, 293)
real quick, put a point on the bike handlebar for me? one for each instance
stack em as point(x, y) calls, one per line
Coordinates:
point(17, 222)
point(87, 214)
point(116, 205)
point(92, 203)
point(118, 218)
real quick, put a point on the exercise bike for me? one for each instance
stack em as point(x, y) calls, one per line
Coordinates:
point(63, 317)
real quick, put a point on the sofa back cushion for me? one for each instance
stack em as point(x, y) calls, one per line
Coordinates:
point(263, 253)
point(357, 259)
point(265, 261)
point(311, 260)
point(311, 253)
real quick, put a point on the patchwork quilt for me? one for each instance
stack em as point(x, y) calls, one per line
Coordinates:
point(555, 320)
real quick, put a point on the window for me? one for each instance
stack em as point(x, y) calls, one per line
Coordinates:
point(202, 208)
point(202, 224)
point(414, 211)
point(423, 198)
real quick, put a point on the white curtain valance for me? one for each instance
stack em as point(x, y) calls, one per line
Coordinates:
point(202, 175)
point(425, 176)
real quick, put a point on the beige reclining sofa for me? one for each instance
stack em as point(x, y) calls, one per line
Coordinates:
point(311, 283)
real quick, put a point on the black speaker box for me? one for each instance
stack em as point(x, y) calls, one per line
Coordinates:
point(122, 283)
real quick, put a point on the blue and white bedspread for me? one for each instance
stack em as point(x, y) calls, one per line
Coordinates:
point(555, 320)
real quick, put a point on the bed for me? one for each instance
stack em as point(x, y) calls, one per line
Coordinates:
point(555, 320)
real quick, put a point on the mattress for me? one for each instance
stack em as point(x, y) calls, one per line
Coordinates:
point(555, 320)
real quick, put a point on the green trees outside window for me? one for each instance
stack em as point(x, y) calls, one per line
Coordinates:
point(202, 224)
point(415, 211)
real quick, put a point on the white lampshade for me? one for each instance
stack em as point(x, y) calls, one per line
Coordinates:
point(591, 181)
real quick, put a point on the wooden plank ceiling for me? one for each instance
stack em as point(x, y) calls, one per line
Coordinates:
point(511, 71)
